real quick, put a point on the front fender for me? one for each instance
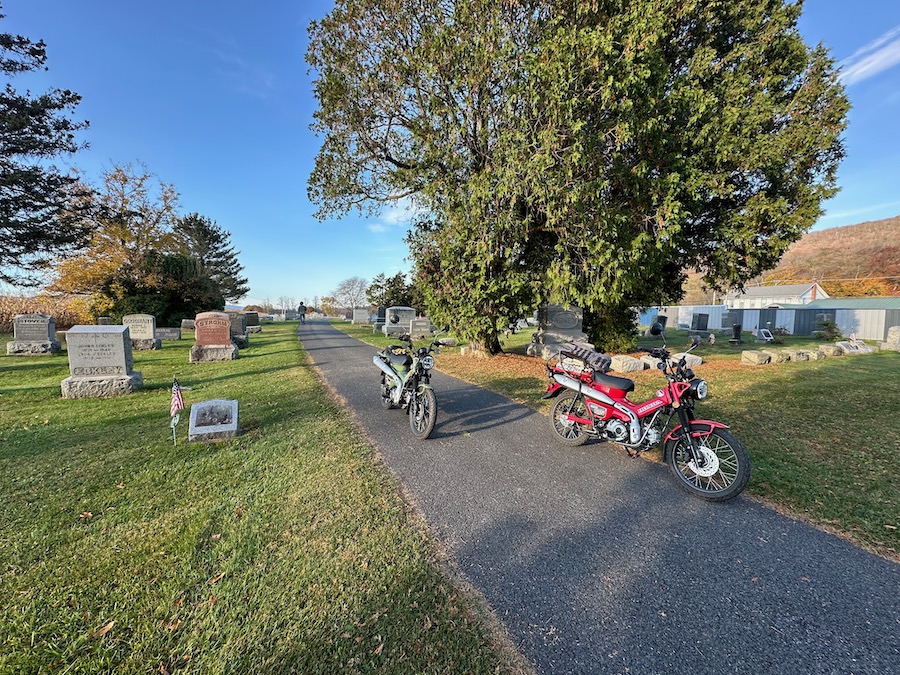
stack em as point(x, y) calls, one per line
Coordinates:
point(698, 428)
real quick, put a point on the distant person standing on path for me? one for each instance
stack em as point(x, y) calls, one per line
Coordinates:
point(301, 310)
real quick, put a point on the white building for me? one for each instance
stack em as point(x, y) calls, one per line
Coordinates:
point(760, 297)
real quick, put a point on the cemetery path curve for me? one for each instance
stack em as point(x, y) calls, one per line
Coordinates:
point(596, 563)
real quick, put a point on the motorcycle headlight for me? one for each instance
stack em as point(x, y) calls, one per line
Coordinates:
point(699, 389)
point(428, 362)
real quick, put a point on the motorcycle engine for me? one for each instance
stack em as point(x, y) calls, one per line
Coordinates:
point(616, 431)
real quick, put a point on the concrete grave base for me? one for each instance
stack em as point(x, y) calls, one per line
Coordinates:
point(797, 354)
point(626, 364)
point(776, 356)
point(691, 360)
point(203, 353)
point(254, 329)
point(831, 350)
point(650, 361)
point(816, 355)
point(146, 344)
point(107, 386)
point(242, 341)
point(753, 357)
point(24, 347)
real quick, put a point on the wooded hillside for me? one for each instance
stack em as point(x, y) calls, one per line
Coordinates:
point(855, 260)
point(850, 261)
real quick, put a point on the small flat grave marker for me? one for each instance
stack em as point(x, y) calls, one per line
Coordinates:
point(213, 420)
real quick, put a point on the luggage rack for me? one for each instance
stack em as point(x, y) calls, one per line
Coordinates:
point(579, 358)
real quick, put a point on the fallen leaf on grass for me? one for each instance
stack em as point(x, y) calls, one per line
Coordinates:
point(379, 649)
point(100, 632)
point(216, 537)
point(891, 527)
point(217, 578)
point(86, 515)
point(121, 486)
point(239, 511)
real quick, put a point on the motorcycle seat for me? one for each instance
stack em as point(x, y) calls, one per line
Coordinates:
point(621, 383)
point(403, 360)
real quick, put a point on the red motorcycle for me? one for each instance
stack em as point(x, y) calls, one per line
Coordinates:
point(707, 459)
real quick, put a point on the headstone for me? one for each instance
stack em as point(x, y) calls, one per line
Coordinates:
point(142, 328)
point(831, 350)
point(736, 334)
point(404, 316)
point(380, 319)
point(764, 335)
point(797, 354)
point(892, 342)
point(239, 330)
point(419, 328)
point(104, 321)
point(558, 325)
point(213, 420)
point(699, 321)
point(360, 316)
point(847, 347)
point(33, 334)
point(815, 355)
point(168, 333)
point(253, 325)
point(651, 361)
point(626, 364)
point(776, 356)
point(212, 338)
point(100, 363)
point(187, 324)
point(754, 358)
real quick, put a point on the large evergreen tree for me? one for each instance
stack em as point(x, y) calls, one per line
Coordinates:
point(211, 245)
point(585, 152)
point(35, 224)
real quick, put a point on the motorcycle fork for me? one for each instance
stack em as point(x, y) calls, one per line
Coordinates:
point(685, 416)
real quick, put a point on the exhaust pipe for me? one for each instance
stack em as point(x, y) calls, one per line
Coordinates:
point(391, 375)
point(634, 425)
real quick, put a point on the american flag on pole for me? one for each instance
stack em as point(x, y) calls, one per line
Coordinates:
point(177, 400)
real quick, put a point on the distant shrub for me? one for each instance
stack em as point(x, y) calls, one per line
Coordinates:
point(66, 311)
point(828, 330)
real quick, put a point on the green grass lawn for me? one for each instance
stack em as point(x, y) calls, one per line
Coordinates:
point(287, 549)
point(823, 436)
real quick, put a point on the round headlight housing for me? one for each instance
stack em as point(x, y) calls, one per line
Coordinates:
point(428, 362)
point(699, 389)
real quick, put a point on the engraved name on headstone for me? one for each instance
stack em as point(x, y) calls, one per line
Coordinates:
point(100, 362)
point(33, 334)
point(141, 326)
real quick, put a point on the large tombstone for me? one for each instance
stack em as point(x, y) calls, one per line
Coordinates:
point(239, 330)
point(699, 322)
point(253, 324)
point(142, 328)
point(403, 315)
point(212, 338)
point(380, 319)
point(557, 325)
point(33, 334)
point(213, 420)
point(360, 316)
point(100, 363)
point(892, 342)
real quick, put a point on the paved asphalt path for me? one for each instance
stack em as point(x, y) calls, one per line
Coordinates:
point(596, 563)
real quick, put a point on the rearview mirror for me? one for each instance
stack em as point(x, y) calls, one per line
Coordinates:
point(656, 328)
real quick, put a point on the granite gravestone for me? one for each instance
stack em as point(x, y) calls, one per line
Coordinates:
point(142, 328)
point(33, 334)
point(213, 420)
point(168, 333)
point(212, 338)
point(360, 316)
point(557, 325)
point(239, 330)
point(380, 319)
point(404, 316)
point(100, 363)
point(253, 325)
point(419, 328)
point(187, 324)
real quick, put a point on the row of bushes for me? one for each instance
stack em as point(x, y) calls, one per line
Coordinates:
point(66, 311)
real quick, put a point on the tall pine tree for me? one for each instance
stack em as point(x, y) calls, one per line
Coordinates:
point(211, 245)
point(35, 224)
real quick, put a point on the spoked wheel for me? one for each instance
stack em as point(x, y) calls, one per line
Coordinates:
point(723, 471)
point(386, 402)
point(568, 432)
point(422, 413)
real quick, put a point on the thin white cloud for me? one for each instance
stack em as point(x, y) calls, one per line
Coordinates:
point(377, 228)
point(398, 216)
point(875, 57)
point(858, 212)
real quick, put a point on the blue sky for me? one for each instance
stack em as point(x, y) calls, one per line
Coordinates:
point(215, 98)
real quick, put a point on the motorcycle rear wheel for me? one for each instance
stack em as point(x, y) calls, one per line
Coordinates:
point(725, 472)
point(386, 401)
point(569, 433)
point(422, 413)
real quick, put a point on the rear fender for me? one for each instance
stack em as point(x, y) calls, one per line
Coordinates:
point(699, 428)
point(553, 390)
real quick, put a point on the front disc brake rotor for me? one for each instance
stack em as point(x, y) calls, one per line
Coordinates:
point(710, 463)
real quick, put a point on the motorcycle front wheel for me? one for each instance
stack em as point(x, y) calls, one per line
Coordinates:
point(570, 433)
point(422, 413)
point(724, 469)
